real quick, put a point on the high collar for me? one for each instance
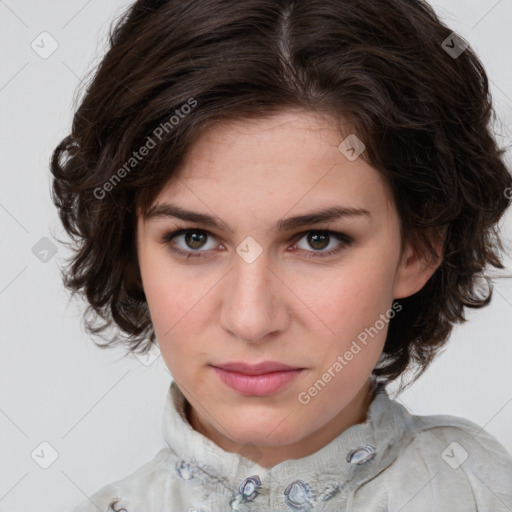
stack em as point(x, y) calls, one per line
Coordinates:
point(355, 456)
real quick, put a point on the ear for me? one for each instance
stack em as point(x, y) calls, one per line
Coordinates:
point(416, 268)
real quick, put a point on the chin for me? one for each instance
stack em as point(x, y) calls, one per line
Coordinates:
point(271, 433)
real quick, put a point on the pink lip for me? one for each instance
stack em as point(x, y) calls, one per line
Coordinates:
point(255, 369)
point(256, 380)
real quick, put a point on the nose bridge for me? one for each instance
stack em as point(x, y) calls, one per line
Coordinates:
point(253, 305)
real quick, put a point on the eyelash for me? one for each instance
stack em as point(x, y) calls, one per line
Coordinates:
point(346, 241)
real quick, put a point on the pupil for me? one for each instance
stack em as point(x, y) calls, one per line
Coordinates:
point(192, 238)
point(312, 238)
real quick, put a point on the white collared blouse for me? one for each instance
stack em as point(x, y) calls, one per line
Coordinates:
point(393, 462)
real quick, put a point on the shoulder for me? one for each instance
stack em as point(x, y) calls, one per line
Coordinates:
point(136, 489)
point(449, 460)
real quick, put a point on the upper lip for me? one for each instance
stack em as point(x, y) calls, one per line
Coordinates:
point(256, 369)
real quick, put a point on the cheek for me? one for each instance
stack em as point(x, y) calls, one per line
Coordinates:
point(162, 291)
point(177, 303)
point(350, 298)
point(170, 304)
point(349, 306)
point(171, 311)
point(169, 291)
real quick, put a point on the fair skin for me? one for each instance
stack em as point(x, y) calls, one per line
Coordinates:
point(283, 306)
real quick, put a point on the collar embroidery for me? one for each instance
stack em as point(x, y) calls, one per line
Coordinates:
point(355, 456)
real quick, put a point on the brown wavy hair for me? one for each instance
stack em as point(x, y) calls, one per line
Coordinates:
point(382, 67)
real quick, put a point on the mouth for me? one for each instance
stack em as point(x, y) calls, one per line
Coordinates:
point(263, 379)
point(256, 369)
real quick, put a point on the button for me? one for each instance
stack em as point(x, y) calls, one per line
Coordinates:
point(298, 495)
point(184, 470)
point(249, 487)
point(361, 455)
point(331, 491)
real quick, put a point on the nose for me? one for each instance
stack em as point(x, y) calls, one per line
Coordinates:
point(254, 305)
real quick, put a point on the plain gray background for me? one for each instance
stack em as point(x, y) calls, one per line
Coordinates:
point(100, 413)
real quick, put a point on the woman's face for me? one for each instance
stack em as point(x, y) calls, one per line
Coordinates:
point(258, 286)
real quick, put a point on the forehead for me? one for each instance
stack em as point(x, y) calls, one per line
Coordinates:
point(289, 136)
point(291, 158)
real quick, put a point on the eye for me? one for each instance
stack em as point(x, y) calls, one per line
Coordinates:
point(320, 240)
point(195, 241)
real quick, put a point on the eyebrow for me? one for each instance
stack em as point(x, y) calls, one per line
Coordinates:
point(165, 210)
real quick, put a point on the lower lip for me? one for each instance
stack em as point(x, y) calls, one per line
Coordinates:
point(256, 385)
